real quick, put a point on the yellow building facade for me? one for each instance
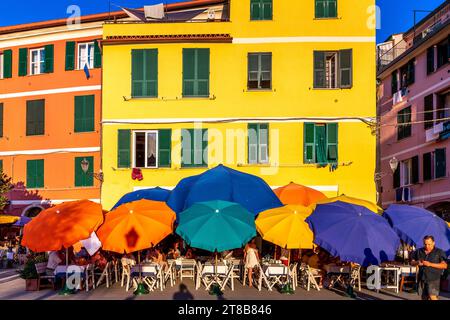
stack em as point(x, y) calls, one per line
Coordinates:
point(279, 89)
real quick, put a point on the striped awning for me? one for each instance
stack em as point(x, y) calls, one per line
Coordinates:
point(4, 219)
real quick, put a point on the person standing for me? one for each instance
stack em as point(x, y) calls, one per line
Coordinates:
point(251, 258)
point(431, 262)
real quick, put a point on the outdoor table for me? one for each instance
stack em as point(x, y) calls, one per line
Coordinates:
point(333, 268)
point(221, 268)
point(275, 270)
point(62, 271)
point(337, 274)
point(150, 274)
point(212, 273)
point(404, 272)
point(395, 270)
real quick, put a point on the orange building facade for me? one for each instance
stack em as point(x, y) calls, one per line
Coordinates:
point(50, 104)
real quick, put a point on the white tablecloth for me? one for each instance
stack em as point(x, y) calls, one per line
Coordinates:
point(275, 270)
point(209, 269)
point(70, 268)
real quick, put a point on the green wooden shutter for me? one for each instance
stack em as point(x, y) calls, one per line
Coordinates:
point(124, 148)
point(428, 112)
point(197, 149)
point(7, 64)
point(309, 143)
point(49, 57)
point(394, 82)
point(35, 173)
point(440, 163)
point(415, 169)
point(188, 72)
point(427, 165)
point(332, 142)
point(70, 55)
point(255, 10)
point(321, 144)
point(151, 73)
point(345, 68)
point(263, 143)
point(84, 179)
point(165, 147)
point(79, 114)
point(430, 60)
point(35, 117)
point(267, 10)
point(204, 146)
point(97, 55)
point(23, 62)
point(84, 113)
point(332, 8)
point(1, 120)
point(252, 143)
point(187, 147)
point(137, 73)
point(319, 69)
point(326, 8)
point(1, 165)
point(203, 72)
point(396, 181)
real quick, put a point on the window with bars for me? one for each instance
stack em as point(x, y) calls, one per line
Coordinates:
point(259, 71)
point(258, 143)
point(404, 123)
point(320, 143)
point(194, 147)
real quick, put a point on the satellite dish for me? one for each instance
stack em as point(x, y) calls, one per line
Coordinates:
point(211, 14)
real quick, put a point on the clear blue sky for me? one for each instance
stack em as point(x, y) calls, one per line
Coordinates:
point(396, 15)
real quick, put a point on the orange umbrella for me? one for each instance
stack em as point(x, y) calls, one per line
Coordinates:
point(136, 226)
point(62, 226)
point(299, 195)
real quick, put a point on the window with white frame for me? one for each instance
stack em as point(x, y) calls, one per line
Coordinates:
point(145, 145)
point(86, 55)
point(1, 65)
point(37, 61)
point(406, 172)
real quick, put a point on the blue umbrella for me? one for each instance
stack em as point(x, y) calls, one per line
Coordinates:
point(353, 232)
point(223, 183)
point(22, 222)
point(155, 194)
point(216, 226)
point(413, 223)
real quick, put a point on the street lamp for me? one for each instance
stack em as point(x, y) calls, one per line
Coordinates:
point(85, 168)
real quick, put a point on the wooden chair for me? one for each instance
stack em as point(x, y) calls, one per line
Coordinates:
point(105, 275)
point(198, 278)
point(312, 275)
point(90, 277)
point(228, 277)
point(355, 276)
point(262, 279)
point(42, 276)
point(169, 274)
point(293, 275)
point(126, 274)
point(187, 269)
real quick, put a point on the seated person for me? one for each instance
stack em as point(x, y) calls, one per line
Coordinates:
point(55, 258)
point(99, 261)
point(190, 254)
point(128, 260)
point(174, 252)
point(160, 259)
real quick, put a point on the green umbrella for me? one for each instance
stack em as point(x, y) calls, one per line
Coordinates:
point(216, 226)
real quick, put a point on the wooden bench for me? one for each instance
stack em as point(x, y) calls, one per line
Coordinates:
point(42, 275)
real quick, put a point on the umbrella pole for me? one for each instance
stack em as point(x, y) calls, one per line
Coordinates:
point(66, 291)
point(140, 290)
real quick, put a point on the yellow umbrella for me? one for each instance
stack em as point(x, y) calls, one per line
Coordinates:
point(286, 227)
point(369, 205)
point(4, 219)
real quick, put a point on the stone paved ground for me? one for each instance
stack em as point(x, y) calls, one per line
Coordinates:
point(15, 289)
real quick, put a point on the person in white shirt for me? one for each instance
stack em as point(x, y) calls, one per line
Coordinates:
point(54, 259)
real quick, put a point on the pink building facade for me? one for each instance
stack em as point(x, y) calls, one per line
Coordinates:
point(414, 117)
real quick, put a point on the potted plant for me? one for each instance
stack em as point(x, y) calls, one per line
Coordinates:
point(29, 273)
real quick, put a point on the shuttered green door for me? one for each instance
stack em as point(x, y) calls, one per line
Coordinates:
point(35, 173)
point(345, 68)
point(258, 143)
point(309, 138)
point(252, 143)
point(7, 64)
point(35, 117)
point(440, 163)
point(321, 144)
point(84, 179)
point(23, 62)
point(70, 55)
point(326, 8)
point(194, 148)
point(84, 113)
point(196, 72)
point(49, 53)
point(124, 149)
point(144, 73)
point(165, 147)
point(332, 142)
